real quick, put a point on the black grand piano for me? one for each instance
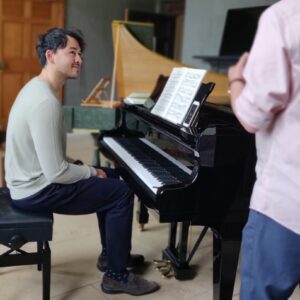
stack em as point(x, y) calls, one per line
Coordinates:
point(199, 175)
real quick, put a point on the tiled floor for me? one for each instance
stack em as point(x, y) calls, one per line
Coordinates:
point(75, 248)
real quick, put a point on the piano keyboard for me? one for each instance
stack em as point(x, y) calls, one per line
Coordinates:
point(152, 165)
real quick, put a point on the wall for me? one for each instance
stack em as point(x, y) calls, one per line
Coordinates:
point(94, 18)
point(203, 26)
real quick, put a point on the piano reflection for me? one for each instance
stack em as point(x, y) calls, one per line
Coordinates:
point(197, 175)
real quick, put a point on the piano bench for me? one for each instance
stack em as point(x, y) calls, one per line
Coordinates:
point(18, 228)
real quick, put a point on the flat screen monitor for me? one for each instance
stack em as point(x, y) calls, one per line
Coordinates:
point(239, 30)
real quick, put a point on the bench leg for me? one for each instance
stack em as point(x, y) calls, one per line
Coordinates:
point(40, 251)
point(46, 271)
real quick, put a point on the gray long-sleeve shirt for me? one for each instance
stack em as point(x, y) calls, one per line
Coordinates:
point(36, 143)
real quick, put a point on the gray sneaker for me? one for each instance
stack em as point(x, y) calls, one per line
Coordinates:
point(135, 286)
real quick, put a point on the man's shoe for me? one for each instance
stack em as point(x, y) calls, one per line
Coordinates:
point(135, 286)
point(134, 261)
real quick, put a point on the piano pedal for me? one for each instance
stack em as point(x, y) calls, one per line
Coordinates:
point(165, 268)
point(170, 274)
point(161, 261)
point(160, 265)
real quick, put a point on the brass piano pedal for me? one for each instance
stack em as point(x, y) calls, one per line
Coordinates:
point(160, 261)
point(165, 268)
point(160, 265)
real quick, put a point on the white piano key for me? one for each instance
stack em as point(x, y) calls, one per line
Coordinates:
point(152, 183)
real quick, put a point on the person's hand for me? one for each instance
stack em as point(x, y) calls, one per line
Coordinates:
point(236, 81)
point(236, 71)
point(236, 84)
point(101, 173)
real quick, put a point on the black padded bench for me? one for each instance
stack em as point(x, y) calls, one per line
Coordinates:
point(18, 228)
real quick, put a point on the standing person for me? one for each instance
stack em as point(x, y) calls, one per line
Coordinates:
point(39, 176)
point(265, 96)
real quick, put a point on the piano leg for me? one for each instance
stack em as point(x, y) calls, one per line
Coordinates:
point(177, 255)
point(142, 215)
point(183, 242)
point(225, 261)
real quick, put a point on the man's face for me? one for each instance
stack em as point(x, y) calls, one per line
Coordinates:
point(69, 59)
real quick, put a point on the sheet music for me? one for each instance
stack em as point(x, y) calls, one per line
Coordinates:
point(178, 94)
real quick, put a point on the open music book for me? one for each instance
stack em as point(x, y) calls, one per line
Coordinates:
point(178, 94)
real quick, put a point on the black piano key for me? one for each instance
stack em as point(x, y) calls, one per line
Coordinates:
point(158, 165)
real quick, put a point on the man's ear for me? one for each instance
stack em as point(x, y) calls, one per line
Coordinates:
point(49, 56)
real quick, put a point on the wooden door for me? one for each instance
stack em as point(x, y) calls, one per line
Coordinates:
point(21, 21)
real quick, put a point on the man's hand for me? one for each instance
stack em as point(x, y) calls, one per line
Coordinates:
point(101, 173)
point(236, 71)
point(236, 84)
point(236, 81)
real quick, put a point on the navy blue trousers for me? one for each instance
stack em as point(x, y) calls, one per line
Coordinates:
point(270, 260)
point(110, 198)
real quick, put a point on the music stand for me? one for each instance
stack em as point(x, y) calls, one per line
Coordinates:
point(99, 95)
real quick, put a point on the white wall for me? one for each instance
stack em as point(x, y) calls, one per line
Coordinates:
point(204, 24)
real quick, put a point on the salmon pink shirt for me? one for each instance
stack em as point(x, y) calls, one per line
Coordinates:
point(270, 102)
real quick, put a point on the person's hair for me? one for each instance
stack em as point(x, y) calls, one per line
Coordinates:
point(54, 39)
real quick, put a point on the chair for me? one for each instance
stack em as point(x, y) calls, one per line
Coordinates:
point(18, 228)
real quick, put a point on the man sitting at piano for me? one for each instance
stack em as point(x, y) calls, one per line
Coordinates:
point(265, 96)
point(40, 178)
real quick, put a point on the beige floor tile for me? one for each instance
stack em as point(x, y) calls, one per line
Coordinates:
point(296, 295)
point(74, 227)
point(74, 257)
point(22, 283)
point(87, 293)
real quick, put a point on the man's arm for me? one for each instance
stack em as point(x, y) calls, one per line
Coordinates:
point(46, 126)
point(236, 86)
point(263, 88)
